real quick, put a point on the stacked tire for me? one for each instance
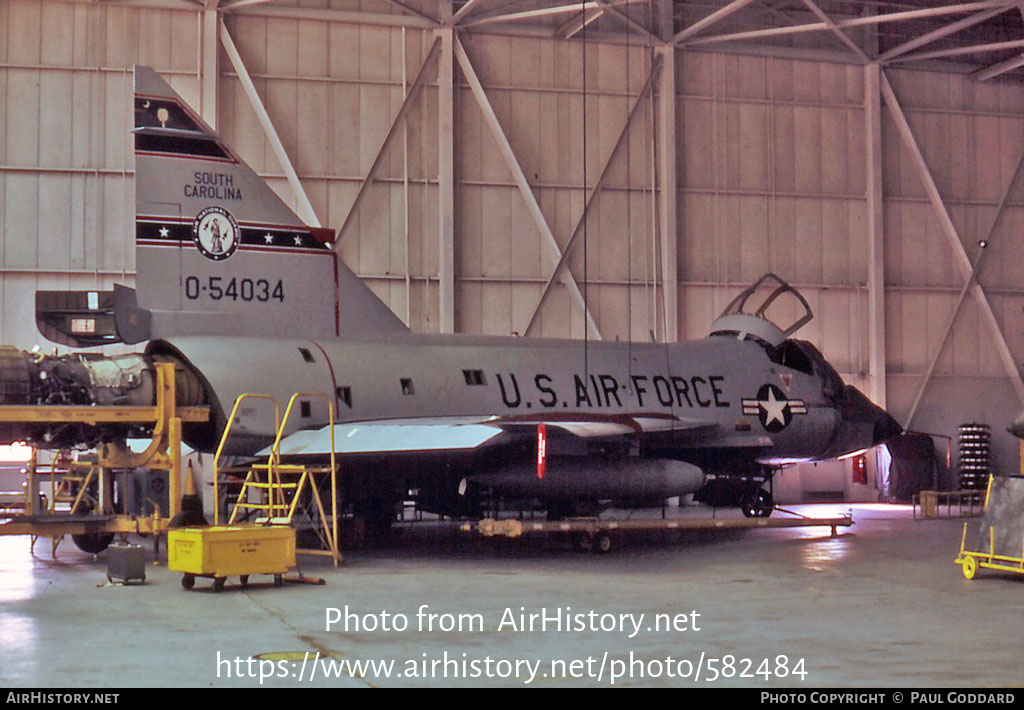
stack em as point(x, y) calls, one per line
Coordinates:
point(975, 446)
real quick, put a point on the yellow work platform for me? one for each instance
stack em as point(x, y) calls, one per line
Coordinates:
point(1004, 524)
point(223, 551)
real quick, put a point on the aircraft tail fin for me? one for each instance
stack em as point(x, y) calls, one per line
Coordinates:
point(217, 251)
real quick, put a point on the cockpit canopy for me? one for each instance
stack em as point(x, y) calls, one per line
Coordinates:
point(769, 311)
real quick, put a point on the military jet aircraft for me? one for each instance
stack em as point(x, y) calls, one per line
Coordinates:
point(244, 297)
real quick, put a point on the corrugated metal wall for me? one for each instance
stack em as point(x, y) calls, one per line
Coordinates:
point(771, 152)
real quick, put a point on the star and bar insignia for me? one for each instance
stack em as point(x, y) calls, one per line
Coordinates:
point(773, 408)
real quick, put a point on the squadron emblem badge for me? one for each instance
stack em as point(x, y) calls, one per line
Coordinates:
point(215, 233)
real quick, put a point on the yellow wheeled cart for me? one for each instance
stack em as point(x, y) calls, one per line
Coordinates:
point(223, 551)
point(971, 561)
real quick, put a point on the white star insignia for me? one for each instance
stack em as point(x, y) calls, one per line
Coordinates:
point(164, 232)
point(269, 237)
point(298, 240)
point(774, 409)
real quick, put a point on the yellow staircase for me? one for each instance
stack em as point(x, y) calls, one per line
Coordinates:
point(273, 493)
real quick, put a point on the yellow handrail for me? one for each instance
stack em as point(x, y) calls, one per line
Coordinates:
point(224, 438)
point(275, 455)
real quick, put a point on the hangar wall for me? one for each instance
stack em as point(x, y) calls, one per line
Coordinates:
point(772, 175)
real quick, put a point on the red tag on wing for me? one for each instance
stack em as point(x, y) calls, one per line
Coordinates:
point(542, 451)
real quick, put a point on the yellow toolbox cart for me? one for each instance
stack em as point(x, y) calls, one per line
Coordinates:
point(223, 551)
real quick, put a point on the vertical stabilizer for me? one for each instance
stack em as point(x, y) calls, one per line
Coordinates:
point(217, 251)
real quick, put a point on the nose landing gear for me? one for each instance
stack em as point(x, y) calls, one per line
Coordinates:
point(757, 503)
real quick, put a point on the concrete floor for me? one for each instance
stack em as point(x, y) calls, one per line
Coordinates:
point(881, 605)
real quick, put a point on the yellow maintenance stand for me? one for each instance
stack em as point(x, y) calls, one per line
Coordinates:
point(266, 544)
point(971, 561)
point(87, 488)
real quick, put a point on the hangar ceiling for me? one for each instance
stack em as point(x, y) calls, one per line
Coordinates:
point(983, 37)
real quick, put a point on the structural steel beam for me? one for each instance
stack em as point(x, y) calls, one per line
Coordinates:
point(563, 261)
point(521, 182)
point(446, 178)
point(412, 11)
point(625, 19)
point(972, 281)
point(668, 211)
point(305, 207)
point(547, 12)
point(1002, 67)
point(960, 258)
point(242, 3)
point(876, 235)
point(1002, 5)
point(574, 25)
point(756, 34)
point(371, 174)
point(711, 19)
point(329, 15)
point(208, 69)
point(464, 10)
point(944, 31)
point(937, 11)
point(959, 51)
point(836, 31)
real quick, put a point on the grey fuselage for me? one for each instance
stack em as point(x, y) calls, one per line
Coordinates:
point(423, 376)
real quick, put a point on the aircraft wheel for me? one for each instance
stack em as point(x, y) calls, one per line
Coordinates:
point(93, 543)
point(602, 543)
point(218, 583)
point(582, 542)
point(188, 581)
point(758, 504)
point(970, 566)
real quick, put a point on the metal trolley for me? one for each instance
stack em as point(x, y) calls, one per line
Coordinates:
point(971, 561)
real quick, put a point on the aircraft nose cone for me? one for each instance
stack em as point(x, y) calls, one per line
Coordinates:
point(885, 428)
point(864, 424)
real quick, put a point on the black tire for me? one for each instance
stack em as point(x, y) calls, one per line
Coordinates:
point(188, 581)
point(757, 504)
point(93, 543)
point(602, 543)
point(244, 579)
point(582, 542)
point(218, 583)
point(278, 580)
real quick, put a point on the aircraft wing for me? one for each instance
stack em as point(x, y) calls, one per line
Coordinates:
point(388, 437)
point(466, 433)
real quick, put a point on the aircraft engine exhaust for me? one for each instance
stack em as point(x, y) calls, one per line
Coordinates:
point(82, 379)
point(592, 477)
